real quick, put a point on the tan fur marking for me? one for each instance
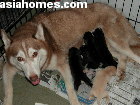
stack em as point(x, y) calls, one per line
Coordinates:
point(100, 82)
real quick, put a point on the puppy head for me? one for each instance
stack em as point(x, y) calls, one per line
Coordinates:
point(98, 31)
point(110, 70)
point(73, 51)
point(87, 37)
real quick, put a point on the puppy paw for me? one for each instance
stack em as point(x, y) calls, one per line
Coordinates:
point(90, 98)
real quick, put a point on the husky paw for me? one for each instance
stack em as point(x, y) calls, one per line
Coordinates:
point(121, 77)
point(121, 74)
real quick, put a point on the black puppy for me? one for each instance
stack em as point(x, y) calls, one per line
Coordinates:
point(89, 53)
point(94, 53)
point(96, 45)
point(105, 55)
point(76, 66)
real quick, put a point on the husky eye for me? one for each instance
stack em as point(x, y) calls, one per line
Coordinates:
point(34, 54)
point(20, 59)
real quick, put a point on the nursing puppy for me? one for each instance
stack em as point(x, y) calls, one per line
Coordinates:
point(75, 62)
point(96, 45)
point(100, 82)
point(44, 42)
point(104, 54)
point(90, 58)
point(95, 50)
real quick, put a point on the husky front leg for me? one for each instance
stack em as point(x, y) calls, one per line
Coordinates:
point(66, 73)
point(8, 75)
point(121, 62)
point(121, 67)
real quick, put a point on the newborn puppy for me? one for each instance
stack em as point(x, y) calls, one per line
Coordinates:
point(75, 62)
point(90, 57)
point(93, 53)
point(96, 50)
point(100, 82)
point(102, 49)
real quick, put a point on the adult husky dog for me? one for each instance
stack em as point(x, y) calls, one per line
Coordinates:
point(44, 43)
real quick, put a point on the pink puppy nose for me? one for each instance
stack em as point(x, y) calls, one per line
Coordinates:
point(33, 77)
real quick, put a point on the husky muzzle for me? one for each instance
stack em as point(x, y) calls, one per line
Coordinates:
point(34, 79)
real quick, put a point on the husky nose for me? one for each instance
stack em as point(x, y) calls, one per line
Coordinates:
point(33, 77)
point(35, 80)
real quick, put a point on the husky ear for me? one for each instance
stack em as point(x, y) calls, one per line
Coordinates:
point(40, 33)
point(5, 39)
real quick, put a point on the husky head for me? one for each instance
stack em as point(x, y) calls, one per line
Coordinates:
point(28, 54)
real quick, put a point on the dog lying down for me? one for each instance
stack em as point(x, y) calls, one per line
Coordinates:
point(93, 53)
point(100, 82)
point(43, 44)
